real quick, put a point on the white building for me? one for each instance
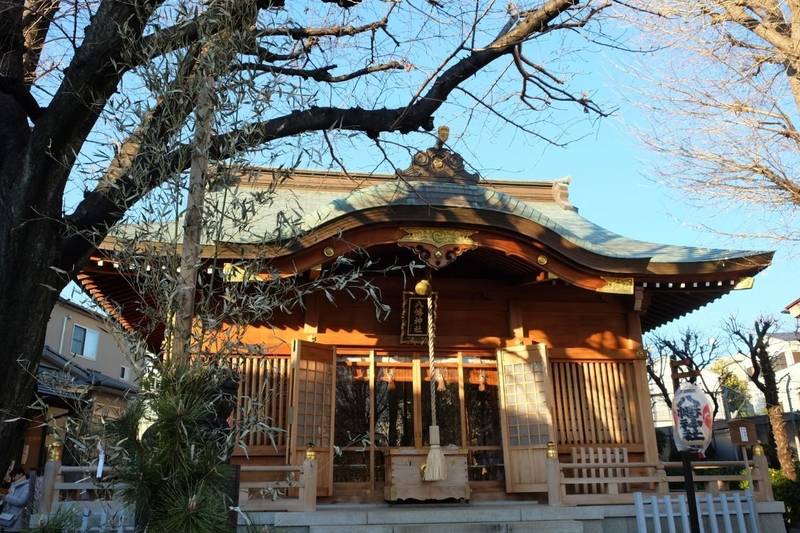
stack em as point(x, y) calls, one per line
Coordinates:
point(785, 352)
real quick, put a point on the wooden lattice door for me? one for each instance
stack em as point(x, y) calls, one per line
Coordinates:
point(526, 421)
point(313, 408)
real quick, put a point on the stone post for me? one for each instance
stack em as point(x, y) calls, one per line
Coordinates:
point(761, 476)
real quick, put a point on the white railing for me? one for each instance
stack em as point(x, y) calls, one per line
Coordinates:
point(725, 508)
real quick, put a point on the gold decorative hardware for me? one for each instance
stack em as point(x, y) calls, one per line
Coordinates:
point(310, 453)
point(238, 274)
point(438, 162)
point(437, 247)
point(758, 450)
point(744, 284)
point(423, 288)
point(552, 452)
point(54, 451)
point(443, 134)
point(542, 260)
point(328, 251)
point(617, 285)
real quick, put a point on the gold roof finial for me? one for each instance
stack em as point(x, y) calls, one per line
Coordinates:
point(443, 134)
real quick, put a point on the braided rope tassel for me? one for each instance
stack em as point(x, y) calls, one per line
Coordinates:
point(435, 464)
point(431, 362)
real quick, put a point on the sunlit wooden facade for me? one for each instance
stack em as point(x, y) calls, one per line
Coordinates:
point(539, 321)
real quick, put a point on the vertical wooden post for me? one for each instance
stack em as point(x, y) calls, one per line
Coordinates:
point(52, 469)
point(416, 374)
point(372, 376)
point(663, 485)
point(308, 493)
point(645, 413)
point(515, 325)
point(462, 406)
point(642, 389)
point(553, 475)
point(311, 320)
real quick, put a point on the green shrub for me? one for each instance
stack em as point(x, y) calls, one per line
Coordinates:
point(65, 519)
point(175, 472)
point(788, 492)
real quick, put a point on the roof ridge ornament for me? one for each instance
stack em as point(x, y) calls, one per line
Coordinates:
point(439, 163)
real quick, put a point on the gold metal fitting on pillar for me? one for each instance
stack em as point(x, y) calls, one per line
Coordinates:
point(310, 453)
point(54, 451)
point(758, 450)
point(423, 288)
point(552, 452)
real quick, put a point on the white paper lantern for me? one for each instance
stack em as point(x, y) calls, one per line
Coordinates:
point(692, 413)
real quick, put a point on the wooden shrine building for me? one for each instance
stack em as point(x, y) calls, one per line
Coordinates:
point(539, 321)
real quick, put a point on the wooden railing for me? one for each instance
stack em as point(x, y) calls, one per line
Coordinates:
point(98, 508)
point(295, 491)
point(600, 483)
point(93, 500)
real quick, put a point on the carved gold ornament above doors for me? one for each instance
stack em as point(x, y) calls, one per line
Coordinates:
point(437, 247)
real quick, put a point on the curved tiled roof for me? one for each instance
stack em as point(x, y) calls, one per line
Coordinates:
point(313, 209)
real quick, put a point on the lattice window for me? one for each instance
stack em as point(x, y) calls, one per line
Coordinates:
point(525, 402)
point(314, 409)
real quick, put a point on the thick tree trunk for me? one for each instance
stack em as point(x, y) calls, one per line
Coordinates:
point(785, 457)
point(29, 244)
point(775, 412)
point(25, 306)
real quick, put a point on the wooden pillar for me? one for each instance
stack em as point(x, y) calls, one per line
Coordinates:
point(308, 492)
point(311, 319)
point(634, 342)
point(553, 475)
point(52, 470)
point(372, 376)
point(515, 325)
point(416, 373)
point(461, 400)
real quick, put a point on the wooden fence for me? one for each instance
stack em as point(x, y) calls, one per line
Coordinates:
point(97, 506)
point(611, 479)
point(296, 491)
point(92, 500)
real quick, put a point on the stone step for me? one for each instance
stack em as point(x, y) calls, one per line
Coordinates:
point(549, 526)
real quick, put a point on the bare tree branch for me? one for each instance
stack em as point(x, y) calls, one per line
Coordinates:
point(322, 74)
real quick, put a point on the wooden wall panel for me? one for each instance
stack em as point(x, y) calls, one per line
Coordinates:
point(262, 398)
point(473, 313)
point(595, 403)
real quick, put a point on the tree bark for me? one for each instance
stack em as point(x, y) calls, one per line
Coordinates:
point(193, 223)
point(30, 288)
point(785, 457)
